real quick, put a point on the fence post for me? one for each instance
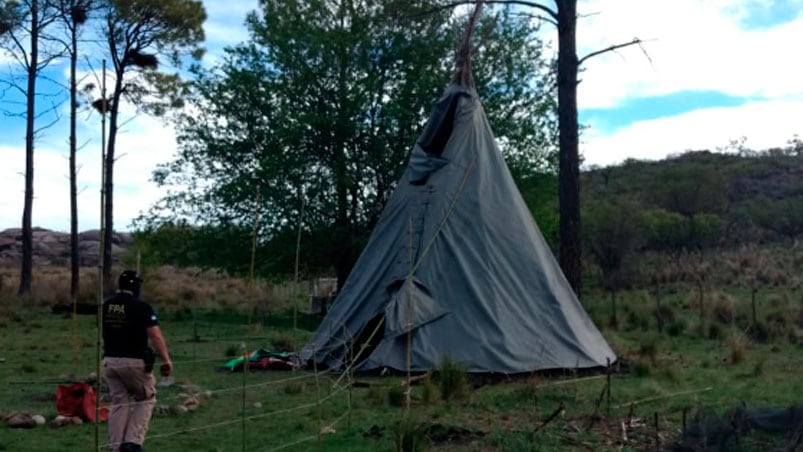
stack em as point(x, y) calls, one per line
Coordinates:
point(245, 370)
point(608, 384)
point(657, 435)
point(685, 409)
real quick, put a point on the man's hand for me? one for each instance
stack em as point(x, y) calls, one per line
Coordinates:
point(166, 368)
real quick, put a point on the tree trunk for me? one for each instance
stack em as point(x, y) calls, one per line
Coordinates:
point(27, 230)
point(74, 273)
point(569, 160)
point(108, 184)
point(614, 317)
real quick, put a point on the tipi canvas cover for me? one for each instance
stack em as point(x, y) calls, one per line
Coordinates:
point(457, 256)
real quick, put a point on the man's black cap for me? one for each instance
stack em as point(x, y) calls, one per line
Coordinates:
point(129, 280)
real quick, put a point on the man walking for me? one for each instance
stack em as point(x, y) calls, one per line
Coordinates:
point(128, 324)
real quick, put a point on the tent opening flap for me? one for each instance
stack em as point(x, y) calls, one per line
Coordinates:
point(366, 342)
point(410, 306)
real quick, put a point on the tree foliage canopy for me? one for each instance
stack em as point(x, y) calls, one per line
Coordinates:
point(146, 35)
point(321, 107)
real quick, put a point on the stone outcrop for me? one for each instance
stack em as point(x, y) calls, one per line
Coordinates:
point(52, 248)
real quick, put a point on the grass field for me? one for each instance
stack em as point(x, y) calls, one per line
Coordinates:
point(685, 368)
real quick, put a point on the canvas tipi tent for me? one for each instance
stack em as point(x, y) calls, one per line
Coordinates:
point(457, 256)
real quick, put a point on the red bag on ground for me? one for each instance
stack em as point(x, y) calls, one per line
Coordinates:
point(79, 400)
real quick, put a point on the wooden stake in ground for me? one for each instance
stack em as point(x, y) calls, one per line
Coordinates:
point(101, 245)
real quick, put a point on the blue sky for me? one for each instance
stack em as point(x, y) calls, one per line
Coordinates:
point(635, 109)
point(710, 71)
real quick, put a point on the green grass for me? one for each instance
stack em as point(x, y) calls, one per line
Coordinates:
point(686, 372)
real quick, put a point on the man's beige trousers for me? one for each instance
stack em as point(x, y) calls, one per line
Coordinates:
point(133, 394)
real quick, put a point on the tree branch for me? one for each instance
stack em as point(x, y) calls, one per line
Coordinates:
point(546, 10)
point(635, 41)
point(538, 17)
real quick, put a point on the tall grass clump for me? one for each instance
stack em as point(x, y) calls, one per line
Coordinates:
point(452, 379)
point(676, 327)
point(428, 391)
point(529, 390)
point(396, 396)
point(737, 344)
point(409, 436)
point(375, 395)
point(641, 369)
point(284, 342)
point(648, 348)
point(723, 310)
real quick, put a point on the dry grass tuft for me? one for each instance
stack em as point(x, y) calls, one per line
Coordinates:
point(737, 343)
point(724, 308)
point(166, 287)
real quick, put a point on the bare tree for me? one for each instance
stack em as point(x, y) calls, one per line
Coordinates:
point(140, 33)
point(23, 27)
point(73, 15)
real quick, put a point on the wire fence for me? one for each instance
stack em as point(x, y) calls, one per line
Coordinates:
point(640, 421)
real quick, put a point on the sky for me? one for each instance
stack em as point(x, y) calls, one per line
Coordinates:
point(709, 72)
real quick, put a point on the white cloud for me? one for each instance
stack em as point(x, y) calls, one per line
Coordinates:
point(142, 144)
point(693, 45)
point(764, 125)
point(225, 25)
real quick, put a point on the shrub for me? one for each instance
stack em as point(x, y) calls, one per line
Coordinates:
point(293, 388)
point(283, 342)
point(396, 396)
point(231, 351)
point(375, 395)
point(758, 332)
point(715, 331)
point(409, 436)
point(758, 370)
point(777, 327)
point(676, 328)
point(737, 344)
point(649, 348)
point(635, 320)
point(664, 314)
point(188, 294)
point(723, 310)
point(641, 369)
point(427, 391)
point(529, 390)
point(452, 379)
point(671, 375)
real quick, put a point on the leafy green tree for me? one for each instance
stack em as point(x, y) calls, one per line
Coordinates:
point(612, 235)
point(11, 18)
point(784, 216)
point(142, 37)
point(664, 230)
point(698, 193)
point(23, 35)
point(691, 189)
point(540, 192)
point(322, 107)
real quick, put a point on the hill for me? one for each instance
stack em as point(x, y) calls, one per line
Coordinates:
point(51, 248)
point(718, 199)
